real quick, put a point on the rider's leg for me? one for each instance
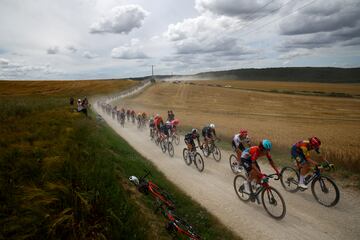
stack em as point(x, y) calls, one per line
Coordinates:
point(305, 168)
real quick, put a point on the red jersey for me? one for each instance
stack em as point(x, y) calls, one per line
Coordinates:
point(254, 153)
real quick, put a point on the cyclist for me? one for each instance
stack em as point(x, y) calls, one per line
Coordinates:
point(158, 122)
point(300, 151)
point(208, 132)
point(189, 139)
point(165, 131)
point(239, 142)
point(249, 157)
point(152, 126)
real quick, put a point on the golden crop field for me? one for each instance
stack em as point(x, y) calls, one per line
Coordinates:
point(282, 118)
point(66, 88)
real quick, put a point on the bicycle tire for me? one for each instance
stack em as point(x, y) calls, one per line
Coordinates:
point(179, 226)
point(171, 149)
point(287, 179)
point(269, 191)
point(239, 188)
point(163, 146)
point(216, 154)
point(177, 139)
point(320, 180)
point(186, 156)
point(234, 163)
point(199, 162)
point(205, 150)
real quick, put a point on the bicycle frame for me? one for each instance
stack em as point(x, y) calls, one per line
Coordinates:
point(154, 190)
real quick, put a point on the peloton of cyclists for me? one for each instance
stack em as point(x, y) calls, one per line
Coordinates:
point(300, 151)
point(208, 133)
point(249, 160)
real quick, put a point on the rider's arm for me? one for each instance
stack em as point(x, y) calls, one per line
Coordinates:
point(272, 163)
point(198, 140)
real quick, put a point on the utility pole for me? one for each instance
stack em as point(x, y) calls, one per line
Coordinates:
point(152, 71)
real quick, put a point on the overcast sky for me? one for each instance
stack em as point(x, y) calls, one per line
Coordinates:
point(88, 39)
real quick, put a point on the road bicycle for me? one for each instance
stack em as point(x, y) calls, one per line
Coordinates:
point(323, 188)
point(165, 144)
point(148, 187)
point(271, 199)
point(235, 166)
point(195, 157)
point(211, 148)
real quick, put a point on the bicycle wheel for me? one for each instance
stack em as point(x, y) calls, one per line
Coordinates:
point(170, 149)
point(205, 150)
point(180, 226)
point(289, 179)
point(234, 164)
point(199, 162)
point(216, 153)
point(273, 203)
point(186, 156)
point(239, 188)
point(176, 139)
point(163, 146)
point(325, 191)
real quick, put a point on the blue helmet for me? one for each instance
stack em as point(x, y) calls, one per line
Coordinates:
point(266, 144)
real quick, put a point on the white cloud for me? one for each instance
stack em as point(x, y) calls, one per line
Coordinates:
point(131, 51)
point(53, 50)
point(121, 19)
point(207, 34)
point(19, 70)
point(4, 61)
point(89, 55)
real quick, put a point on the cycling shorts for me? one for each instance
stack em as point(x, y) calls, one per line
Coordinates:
point(189, 141)
point(247, 163)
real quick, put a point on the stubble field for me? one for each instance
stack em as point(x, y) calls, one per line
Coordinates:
point(282, 118)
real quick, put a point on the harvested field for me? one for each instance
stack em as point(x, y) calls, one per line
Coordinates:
point(282, 118)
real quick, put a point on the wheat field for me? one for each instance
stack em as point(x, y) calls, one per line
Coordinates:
point(282, 118)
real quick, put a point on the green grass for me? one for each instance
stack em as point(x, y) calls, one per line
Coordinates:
point(64, 176)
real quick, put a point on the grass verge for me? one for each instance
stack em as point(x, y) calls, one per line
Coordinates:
point(64, 176)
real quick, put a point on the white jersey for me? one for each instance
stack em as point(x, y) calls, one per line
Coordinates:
point(237, 140)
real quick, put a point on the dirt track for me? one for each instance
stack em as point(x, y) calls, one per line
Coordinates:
point(305, 219)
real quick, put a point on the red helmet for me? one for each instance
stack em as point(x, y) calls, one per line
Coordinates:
point(315, 142)
point(243, 133)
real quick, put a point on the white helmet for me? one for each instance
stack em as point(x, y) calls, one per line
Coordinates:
point(134, 180)
point(212, 125)
point(168, 123)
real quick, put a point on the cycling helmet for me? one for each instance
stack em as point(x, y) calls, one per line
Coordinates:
point(243, 133)
point(79, 100)
point(134, 180)
point(168, 123)
point(315, 142)
point(212, 125)
point(157, 115)
point(266, 144)
point(194, 131)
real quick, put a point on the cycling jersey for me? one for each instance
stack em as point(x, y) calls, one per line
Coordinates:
point(302, 150)
point(250, 155)
point(239, 143)
point(189, 138)
point(208, 132)
point(158, 121)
